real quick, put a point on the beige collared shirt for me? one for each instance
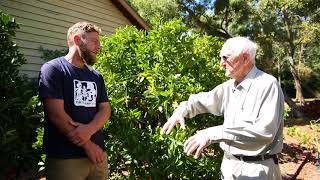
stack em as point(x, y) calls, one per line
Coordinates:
point(252, 110)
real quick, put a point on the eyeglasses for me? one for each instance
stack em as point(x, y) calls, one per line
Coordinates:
point(225, 58)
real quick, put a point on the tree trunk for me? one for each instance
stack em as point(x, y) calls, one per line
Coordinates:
point(294, 108)
point(297, 82)
point(290, 38)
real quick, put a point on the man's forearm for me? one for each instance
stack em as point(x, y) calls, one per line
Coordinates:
point(62, 121)
point(101, 117)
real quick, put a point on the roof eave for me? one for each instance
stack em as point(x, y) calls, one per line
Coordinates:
point(131, 14)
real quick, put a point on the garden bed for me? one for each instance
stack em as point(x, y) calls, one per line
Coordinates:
point(299, 137)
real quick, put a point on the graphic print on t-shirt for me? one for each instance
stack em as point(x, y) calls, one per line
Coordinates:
point(85, 93)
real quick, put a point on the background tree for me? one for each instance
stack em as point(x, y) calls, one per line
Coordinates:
point(291, 16)
point(201, 15)
point(165, 10)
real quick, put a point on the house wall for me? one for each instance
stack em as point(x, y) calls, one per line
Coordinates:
point(45, 23)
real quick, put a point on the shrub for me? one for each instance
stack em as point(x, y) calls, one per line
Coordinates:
point(48, 54)
point(19, 109)
point(147, 74)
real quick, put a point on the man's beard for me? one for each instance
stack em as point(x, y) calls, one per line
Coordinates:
point(86, 55)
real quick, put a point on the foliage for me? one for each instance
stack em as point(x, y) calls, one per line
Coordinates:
point(310, 141)
point(11, 58)
point(147, 75)
point(20, 111)
point(161, 9)
point(292, 131)
point(291, 18)
point(315, 126)
point(287, 111)
point(48, 54)
point(221, 18)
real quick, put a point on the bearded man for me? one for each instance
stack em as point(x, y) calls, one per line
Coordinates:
point(73, 141)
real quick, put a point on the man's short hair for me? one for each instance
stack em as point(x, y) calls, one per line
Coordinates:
point(240, 45)
point(81, 28)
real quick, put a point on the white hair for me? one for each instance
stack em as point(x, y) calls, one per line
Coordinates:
point(239, 45)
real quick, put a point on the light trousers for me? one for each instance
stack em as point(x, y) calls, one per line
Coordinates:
point(235, 169)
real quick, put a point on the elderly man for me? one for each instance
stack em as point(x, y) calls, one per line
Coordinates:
point(252, 104)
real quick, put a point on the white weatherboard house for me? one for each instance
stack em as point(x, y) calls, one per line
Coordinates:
point(44, 23)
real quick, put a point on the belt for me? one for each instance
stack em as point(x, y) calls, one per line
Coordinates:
point(258, 158)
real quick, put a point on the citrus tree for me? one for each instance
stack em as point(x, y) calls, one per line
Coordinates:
point(147, 74)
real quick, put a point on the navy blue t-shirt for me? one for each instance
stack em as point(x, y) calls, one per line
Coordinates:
point(82, 89)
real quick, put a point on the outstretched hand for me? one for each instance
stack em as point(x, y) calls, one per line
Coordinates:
point(197, 142)
point(172, 121)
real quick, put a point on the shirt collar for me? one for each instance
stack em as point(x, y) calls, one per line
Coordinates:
point(246, 82)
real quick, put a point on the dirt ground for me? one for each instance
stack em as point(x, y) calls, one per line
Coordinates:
point(294, 153)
